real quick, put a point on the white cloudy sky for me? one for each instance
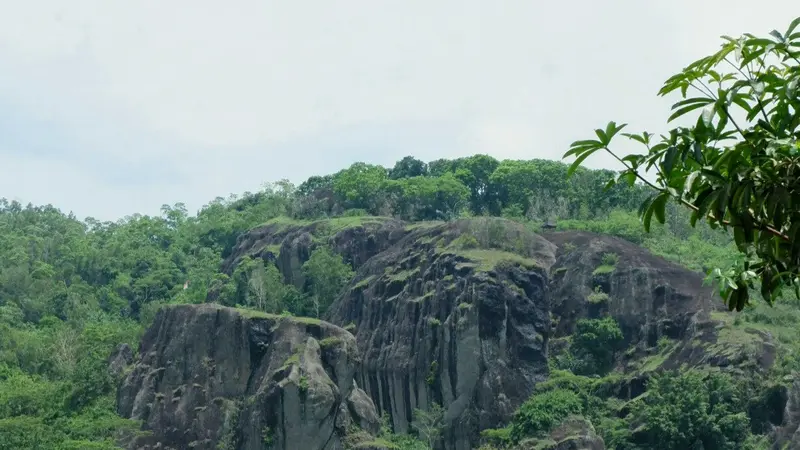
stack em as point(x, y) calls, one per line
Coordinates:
point(109, 107)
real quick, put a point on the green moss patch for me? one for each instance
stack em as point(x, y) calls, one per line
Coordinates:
point(603, 270)
point(330, 342)
point(292, 360)
point(424, 225)
point(363, 283)
point(255, 314)
point(377, 443)
point(330, 227)
point(402, 275)
point(283, 223)
point(489, 259)
point(423, 298)
point(326, 227)
point(598, 297)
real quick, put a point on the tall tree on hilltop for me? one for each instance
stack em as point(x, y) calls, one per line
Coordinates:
point(408, 167)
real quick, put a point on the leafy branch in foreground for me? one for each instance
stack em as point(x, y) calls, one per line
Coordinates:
point(738, 166)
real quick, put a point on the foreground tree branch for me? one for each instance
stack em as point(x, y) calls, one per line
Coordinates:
point(751, 186)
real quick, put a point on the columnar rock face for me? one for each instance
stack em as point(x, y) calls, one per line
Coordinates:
point(447, 315)
point(211, 377)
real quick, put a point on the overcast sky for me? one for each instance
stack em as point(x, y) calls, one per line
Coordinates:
point(110, 107)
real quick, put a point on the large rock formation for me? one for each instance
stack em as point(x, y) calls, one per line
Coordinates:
point(649, 297)
point(211, 377)
point(456, 314)
point(463, 314)
point(460, 314)
point(669, 317)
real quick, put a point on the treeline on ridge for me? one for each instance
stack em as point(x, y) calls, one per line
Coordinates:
point(479, 185)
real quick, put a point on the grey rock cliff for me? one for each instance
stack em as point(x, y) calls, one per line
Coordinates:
point(210, 376)
point(465, 314)
point(447, 315)
point(649, 296)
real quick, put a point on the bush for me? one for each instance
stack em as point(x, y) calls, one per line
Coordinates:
point(595, 344)
point(610, 259)
point(684, 409)
point(539, 414)
point(355, 212)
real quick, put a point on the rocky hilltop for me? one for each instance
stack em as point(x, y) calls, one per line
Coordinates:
point(288, 244)
point(466, 314)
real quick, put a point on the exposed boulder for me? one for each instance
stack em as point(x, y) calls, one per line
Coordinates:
point(261, 242)
point(670, 318)
point(210, 376)
point(649, 296)
point(575, 433)
point(456, 314)
point(295, 250)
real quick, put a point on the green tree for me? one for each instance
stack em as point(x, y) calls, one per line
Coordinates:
point(260, 286)
point(314, 184)
point(441, 166)
point(541, 190)
point(327, 274)
point(429, 424)
point(737, 165)
point(595, 343)
point(429, 198)
point(543, 411)
point(361, 186)
point(475, 172)
point(408, 167)
point(682, 410)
